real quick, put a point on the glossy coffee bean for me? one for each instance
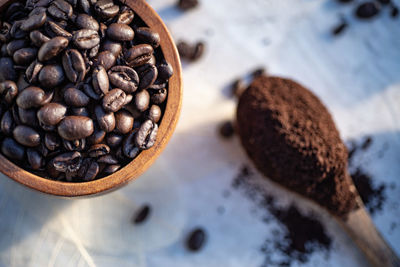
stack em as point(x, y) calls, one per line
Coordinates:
point(114, 100)
point(8, 91)
point(196, 239)
point(34, 22)
point(32, 72)
point(124, 121)
point(5, 35)
point(11, 149)
point(106, 9)
point(84, 5)
point(51, 76)
point(75, 127)
point(98, 150)
point(80, 112)
point(16, 30)
point(138, 55)
point(148, 36)
point(146, 135)
point(110, 169)
point(15, 45)
point(28, 117)
point(38, 38)
point(97, 136)
point(114, 47)
point(108, 159)
point(147, 76)
point(86, 39)
point(31, 97)
point(52, 48)
point(129, 147)
point(106, 120)
point(51, 114)
point(84, 21)
point(159, 96)
point(100, 80)
point(67, 162)
point(74, 145)
point(7, 69)
point(124, 77)
point(35, 159)
point(105, 59)
point(154, 113)
point(7, 123)
point(25, 56)
point(125, 16)
point(89, 169)
point(26, 136)
point(142, 214)
point(60, 9)
point(114, 140)
point(51, 141)
point(53, 29)
point(74, 65)
point(142, 100)
point(75, 98)
point(165, 71)
point(120, 32)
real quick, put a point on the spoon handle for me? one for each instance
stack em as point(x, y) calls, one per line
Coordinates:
point(361, 228)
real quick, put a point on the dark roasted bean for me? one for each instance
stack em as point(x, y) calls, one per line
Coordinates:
point(35, 159)
point(114, 47)
point(100, 80)
point(146, 135)
point(98, 150)
point(74, 65)
point(16, 30)
point(142, 214)
point(25, 56)
point(106, 9)
point(187, 4)
point(114, 100)
point(53, 30)
point(38, 38)
point(34, 22)
point(51, 141)
point(26, 136)
point(196, 239)
point(226, 129)
point(60, 9)
point(7, 123)
point(138, 55)
point(129, 148)
point(142, 100)
point(165, 71)
point(31, 97)
point(110, 169)
point(147, 76)
point(124, 121)
point(51, 76)
point(12, 149)
point(148, 36)
point(105, 120)
point(124, 77)
point(159, 97)
point(120, 32)
point(84, 21)
point(75, 98)
point(154, 113)
point(125, 16)
point(7, 70)
point(107, 159)
point(8, 91)
point(74, 145)
point(89, 169)
point(75, 127)
point(32, 72)
point(97, 136)
point(5, 32)
point(86, 39)
point(28, 117)
point(52, 48)
point(67, 162)
point(367, 10)
point(114, 140)
point(105, 59)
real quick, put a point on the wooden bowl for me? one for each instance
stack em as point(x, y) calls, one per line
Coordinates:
point(140, 164)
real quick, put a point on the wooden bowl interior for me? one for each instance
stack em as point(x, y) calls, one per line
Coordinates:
point(136, 167)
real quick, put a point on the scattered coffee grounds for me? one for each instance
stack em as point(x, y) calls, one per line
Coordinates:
point(196, 239)
point(142, 214)
point(367, 10)
point(340, 28)
point(226, 129)
point(191, 52)
point(291, 138)
point(300, 235)
point(84, 86)
point(187, 4)
point(373, 197)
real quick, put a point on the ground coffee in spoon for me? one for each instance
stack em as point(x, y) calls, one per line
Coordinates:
point(292, 138)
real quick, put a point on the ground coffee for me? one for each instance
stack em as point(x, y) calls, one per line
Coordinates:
point(291, 137)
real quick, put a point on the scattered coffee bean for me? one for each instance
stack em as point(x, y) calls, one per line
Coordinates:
point(142, 214)
point(191, 52)
point(394, 12)
point(367, 10)
point(226, 129)
point(340, 28)
point(187, 4)
point(196, 239)
point(238, 87)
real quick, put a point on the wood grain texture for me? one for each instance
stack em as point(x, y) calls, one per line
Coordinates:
point(146, 158)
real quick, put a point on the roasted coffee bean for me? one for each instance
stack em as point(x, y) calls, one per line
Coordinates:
point(154, 113)
point(105, 59)
point(98, 150)
point(124, 121)
point(142, 100)
point(8, 91)
point(5, 35)
point(38, 38)
point(165, 70)
point(97, 136)
point(94, 51)
point(103, 31)
point(50, 115)
point(196, 239)
point(114, 47)
point(15, 114)
point(60, 9)
point(35, 159)
point(89, 169)
point(15, 12)
point(15, 45)
point(107, 159)
point(16, 30)
point(110, 169)
point(146, 135)
point(86, 39)
point(100, 80)
point(187, 4)
point(74, 145)
point(37, 11)
point(7, 123)
point(125, 16)
point(198, 51)
point(148, 76)
point(129, 148)
point(85, 5)
point(28, 117)
point(367, 10)
point(159, 97)
point(84, 21)
point(51, 141)
point(34, 22)
point(148, 36)
point(74, 65)
point(7, 70)
point(88, 89)
point(191, 52)
point(52, 48)
point(106, 9)
point(67, 162)
point(339, 28)
point(80, 112)
point(12, 149)
point(31, 97)
point(142, 214)
point(226, 129)
point(120, 32)
point(75, 127)
point(124, 77)
point(114, 140)
point(32, 72)
point(394, 11)
point(26, 136)
point(75, 98)
point(138, 55)
point(53, 29)
point(105, 120)
point(51, 76)
point(22, 83)
point(114, 100)
point(48, 96)
point(25, 56)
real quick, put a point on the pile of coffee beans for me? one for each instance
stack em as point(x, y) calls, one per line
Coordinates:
point(83, 85)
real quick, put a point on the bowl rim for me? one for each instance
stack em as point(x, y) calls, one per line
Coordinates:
point(146, 158)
